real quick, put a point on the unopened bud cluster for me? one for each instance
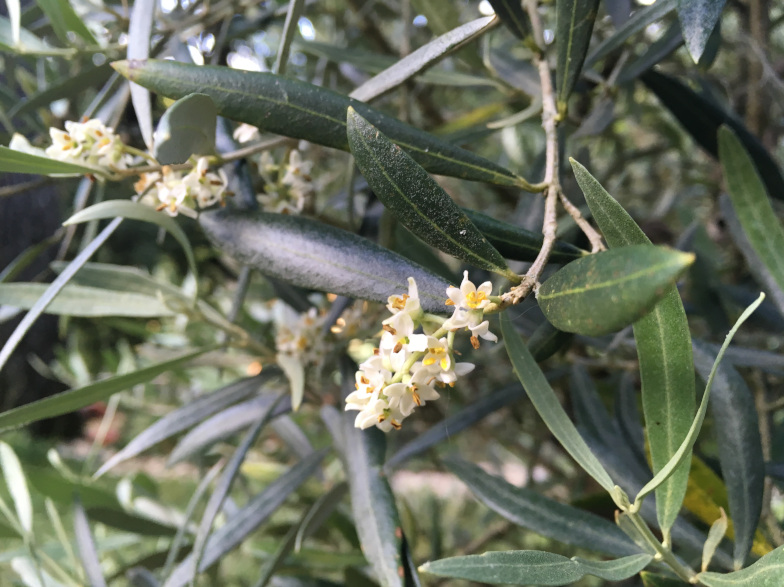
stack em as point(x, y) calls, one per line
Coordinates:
point(290, 192)
point(180, 194)
point(416, 356)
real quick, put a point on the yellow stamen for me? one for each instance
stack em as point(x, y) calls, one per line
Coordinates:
point(449, 303)
point(399, 302)
point(475, 342)
point(429, 361)
point(417, 399)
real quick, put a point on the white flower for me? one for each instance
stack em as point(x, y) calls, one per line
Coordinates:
point(245, 133)
point(438, 361)
point(89, 143)
point(64, 147)
point(469, 302)
point(406, 303)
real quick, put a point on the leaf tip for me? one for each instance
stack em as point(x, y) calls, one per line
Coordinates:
point(126, 67)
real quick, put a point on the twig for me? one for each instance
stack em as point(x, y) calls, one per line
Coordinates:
point(593, 236)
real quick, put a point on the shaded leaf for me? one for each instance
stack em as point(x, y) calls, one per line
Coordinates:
point(300, 110)
point(660, 49)
point(82, 301)
point(698, 19)
point(67, 87)
point(664, 350)
point(573, 28)
point(186, 128)
point(702, 117)
point(602, 293)
point(532, 510)
point(129, 522)
point(739, 448)
point(531, 567)
point(407, 190)
point(513, 16)
point(313, 255)
point(74, 399)
point(546, 403)
point(766, 572)
point(12, 161)
point(86, 547)
point(654, 580)
point(64, 19)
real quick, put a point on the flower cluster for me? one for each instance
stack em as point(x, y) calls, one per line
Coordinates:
point(90, 142)
point(293, 188)
point(416, 355)
point(172, 192)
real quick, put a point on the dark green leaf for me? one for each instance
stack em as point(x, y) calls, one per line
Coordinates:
point(129, 522)
point(407, 190)
point(546, 403)
point(249, 517)
point(664, 350)
point(752, 206)
point(513, 16)
point(74, 399)
point(656, 52)
point(545, 516)
point(766, 572)
point(518, 243)
point(532, 567)
point(64, 19)
point(698, 19)
point(69, 87)
point(18, 162)
point(573, 28)
point(313, 255)
point(602, 293)
point(702, 117)
point(82, 301)
point(186, 128)
point(739, 447)
point(86, 546)
point(653, 580)
point(300, 110)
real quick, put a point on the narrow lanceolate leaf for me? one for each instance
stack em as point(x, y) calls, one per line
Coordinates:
point(698, 19)
point(64, 20)
point(186, 128)
point(533, 567)
point(68, 401)
point(664, 350)
point(546, 403)
point(602, 293)
point(137, 211)
point(12, 161)
point(82, 301)
point(303, 111)
point(752, 206)
point(740, 448)
point(17, 486)
point(313, 255)
point(518, 243)
point(702, 117)
point(139, 34)
point(533, 511)
point(766, 572)
point(573, 28)
point(513, 16)
point(407, 190)
point(424, 57)
point(88, 553)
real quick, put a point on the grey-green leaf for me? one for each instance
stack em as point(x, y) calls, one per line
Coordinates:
point(513, 16)
point(12, 161)
point(766, 572)
point(186, 128)
point(602, 293)
point(407, 190)
point(300, 110)
point(664, 350)
point(83, 301)
point(546, 403)
point(533, 511)
point(752, 206)
point(532, 567)
point(313, 255)
point(573, 28)
point(698, 19)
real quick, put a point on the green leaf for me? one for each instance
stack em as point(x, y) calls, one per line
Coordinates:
point(532, 567)
point(407, 190)
point(513, 16)
point(546, 403)
point(17, 486)
point(654, 580)
point(698, 19)
point(766, 572)
point(64, 20)
point(739, 448)
point(664, 350)
point(702, 117)
point(602, 293)
point(12, 161)
point(518, 243)
point(424, 57)
point(74, 399)
point(137, 211)
point(186, 128)
point(573, 28)
point(533, 511)
point(300, 110)
point(90, 302)
point(85, 544)
point(656, 52)
point(23, 42)
point(313, 255)
point(752, 206)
